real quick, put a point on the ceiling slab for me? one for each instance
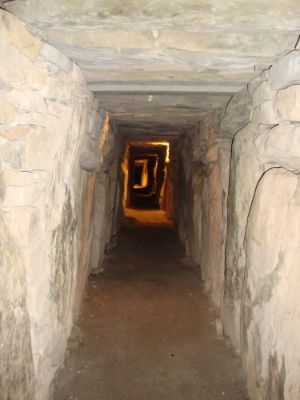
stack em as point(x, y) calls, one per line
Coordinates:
point(157, 65)
point(218, 45)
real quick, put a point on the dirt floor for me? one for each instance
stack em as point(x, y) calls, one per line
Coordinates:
point(146, 330)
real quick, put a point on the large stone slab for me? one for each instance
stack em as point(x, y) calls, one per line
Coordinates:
point(288, 103)
point(270, 307)
point(286, 72)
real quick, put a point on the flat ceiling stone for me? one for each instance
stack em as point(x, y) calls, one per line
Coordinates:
point(172, 111)
point(157, 48)
point(212, 43)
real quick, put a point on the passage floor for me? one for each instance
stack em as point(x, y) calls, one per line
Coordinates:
point(146, 330)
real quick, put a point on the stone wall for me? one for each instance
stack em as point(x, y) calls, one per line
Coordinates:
point(271, 299)
point(260, 293)
point(108, 195)
point(47, 118)
point(202, 197)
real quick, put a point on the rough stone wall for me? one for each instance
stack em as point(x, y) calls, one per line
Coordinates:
point(183, 200)
point(45, 113)
point(213, 204)
point(271, 298)
point(263, 237)
point(203, 195)
point(107, 195)
point(16, 365)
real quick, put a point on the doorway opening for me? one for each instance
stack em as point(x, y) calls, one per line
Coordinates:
point(149, 170)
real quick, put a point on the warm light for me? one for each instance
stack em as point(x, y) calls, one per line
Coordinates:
point(104, 135)
point(143, 182)
point(167, 144)
point(140, 170)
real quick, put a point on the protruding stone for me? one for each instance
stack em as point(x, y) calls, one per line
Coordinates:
point(236, 115)
point(265, 114)
point(288, 103)
point(88, 161)
point(280, 145)
point(52, 55)
point(285, 72)
point(263, 93)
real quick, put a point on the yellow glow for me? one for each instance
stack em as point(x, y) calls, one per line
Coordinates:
point(148, 217)
point(104, 135)
point(125, 166)
point(145, 143)
point(167, 144)
point(144, 177)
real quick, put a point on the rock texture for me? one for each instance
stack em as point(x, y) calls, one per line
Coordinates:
point(152, 47)
point(261, 246)
point(255, 198)
point(107, 195)
point(225, 40)
point(270, 306)
point(47, 117)
point(167, 69)
point(16, 365)
point(202, 195)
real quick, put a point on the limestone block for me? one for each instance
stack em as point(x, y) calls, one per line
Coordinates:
point(40, 152)
point(33, 101)
point(37, 78)
point(245, 171)
point(16, 364)
point(270, 308)
point(21, 178)
point(22, 196)
point(265, 114)
point(88, 161)
point(212, 153)
point(58, 91)
point(280, 145)
point(236, 115)
point(285, 72)
point(253, 84)
point(262, 93)
point(288, 103)
point(19, 37)
point(12, 69)
point(23, 223)
point(6, 110)
point(43, 129)
point(213, 232)
point(57, 108)
point(53, 56)
point(12, 154)
point(15, 133)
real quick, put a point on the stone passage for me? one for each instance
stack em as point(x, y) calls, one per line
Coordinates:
point(146, 330)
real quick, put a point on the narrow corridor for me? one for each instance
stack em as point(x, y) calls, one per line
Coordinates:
point(146, 330)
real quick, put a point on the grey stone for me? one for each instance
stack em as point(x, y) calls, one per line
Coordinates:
point(286, 72)
point(88, 161)
point(53, 56)
point(271, 292)
point(236, 115)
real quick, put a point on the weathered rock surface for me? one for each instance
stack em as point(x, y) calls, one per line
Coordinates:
point(46, 120)
point(245, 171)
point(285, 72)
point(236, 114)
point(270, 306)
point(107, 195)
point(175, 46)
point(202, 196)
point(261, 244)
point(16, 366)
